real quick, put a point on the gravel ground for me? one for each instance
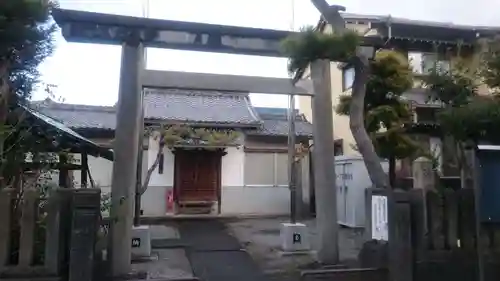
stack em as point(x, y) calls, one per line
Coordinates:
point(261, 239)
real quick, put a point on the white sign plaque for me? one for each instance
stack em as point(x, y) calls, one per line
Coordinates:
point(380, 227)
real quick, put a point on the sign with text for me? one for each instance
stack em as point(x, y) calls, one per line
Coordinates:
point(297, 239)
point(136, 242)
point(380, 222)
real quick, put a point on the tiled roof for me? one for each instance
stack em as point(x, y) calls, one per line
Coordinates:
point(76, 140)
point(79, 116)
point(275, 123)
point(174, 105)
point(199, 106)
point(167, 105)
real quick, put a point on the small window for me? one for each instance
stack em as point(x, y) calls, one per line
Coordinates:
point(426, 114)
point(266, 169)
point(348, 78)
point(338, 147)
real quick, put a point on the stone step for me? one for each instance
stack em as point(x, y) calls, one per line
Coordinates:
point(346, 274)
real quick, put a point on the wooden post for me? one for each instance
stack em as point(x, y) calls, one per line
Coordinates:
point(63, 172)
point(299, 185)
point(84, 170)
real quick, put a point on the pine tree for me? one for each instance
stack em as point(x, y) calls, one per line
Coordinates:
point(26, 40)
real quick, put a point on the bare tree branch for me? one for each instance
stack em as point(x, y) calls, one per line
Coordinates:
point(153, 167)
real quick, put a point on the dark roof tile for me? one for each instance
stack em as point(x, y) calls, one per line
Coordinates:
point(275, 123)
point(199, 106)
point(182, 105)
point(79, 116)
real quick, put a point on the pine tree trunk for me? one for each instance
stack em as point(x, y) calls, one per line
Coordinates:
point(357, 124)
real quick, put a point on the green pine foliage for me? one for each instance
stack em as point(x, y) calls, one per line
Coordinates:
point(26, 39)
point(385, 109)
point(310, 45)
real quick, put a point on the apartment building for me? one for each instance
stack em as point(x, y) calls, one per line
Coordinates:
point(425, 44)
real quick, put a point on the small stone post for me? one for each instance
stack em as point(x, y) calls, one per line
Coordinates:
point(423, 174)
point(467, 171)
point(423, 181)
point(84, 227)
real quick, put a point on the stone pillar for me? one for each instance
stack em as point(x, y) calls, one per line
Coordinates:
point(84, 227)
point(324, 163)
point(423, 181)
point(467, 171)
point(125, 153)
point(423, 174)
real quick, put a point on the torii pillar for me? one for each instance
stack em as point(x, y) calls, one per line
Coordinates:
point(125, 149)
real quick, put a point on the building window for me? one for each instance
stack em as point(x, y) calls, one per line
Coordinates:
point(426, 114)
point(424, 63)
point(338, 147)
point(266, 169)
point(348, 78)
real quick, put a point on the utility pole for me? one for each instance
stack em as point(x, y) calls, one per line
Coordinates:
point(292, 178)
point(138, 186)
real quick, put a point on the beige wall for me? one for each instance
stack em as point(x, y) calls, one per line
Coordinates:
point(341, 128)
point(341, 123)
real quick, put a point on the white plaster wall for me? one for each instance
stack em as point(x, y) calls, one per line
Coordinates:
point(154, 199)
point(238, 199)
point(100, 169)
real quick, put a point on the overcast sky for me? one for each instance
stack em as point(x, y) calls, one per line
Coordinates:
point(88, 74)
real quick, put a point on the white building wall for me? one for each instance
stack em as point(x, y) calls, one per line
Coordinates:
point(239, 199)
point(154, 200)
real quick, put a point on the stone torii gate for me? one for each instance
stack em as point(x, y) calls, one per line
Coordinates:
point(133, 34)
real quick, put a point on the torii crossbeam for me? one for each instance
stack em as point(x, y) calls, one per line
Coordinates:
point(133, 34)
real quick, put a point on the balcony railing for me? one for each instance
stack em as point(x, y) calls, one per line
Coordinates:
point(424, 63)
